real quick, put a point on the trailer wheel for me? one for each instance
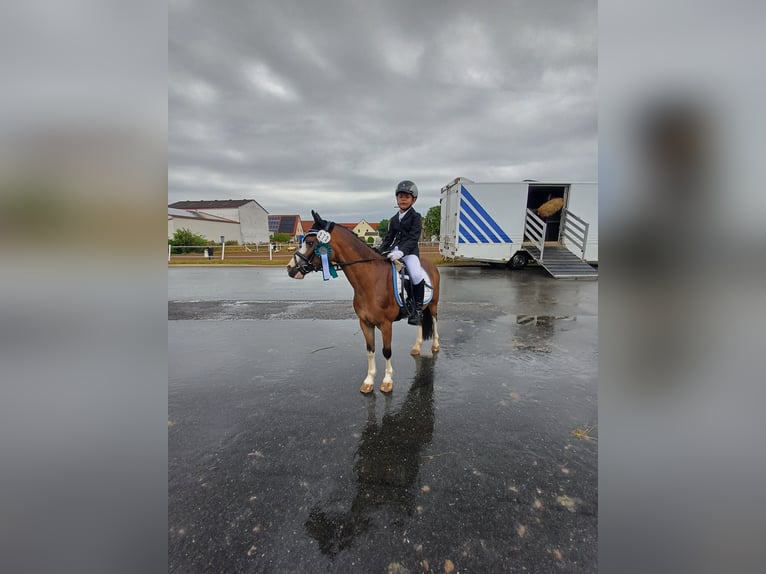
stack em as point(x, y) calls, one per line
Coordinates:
point(519, 260)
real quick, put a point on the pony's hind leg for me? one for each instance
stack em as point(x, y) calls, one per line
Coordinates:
point(415, 351)
point(369, 336)
point(430, 332)
point(387, 384)
point(435, 344)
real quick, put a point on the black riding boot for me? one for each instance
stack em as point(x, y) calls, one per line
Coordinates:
point(417, 303)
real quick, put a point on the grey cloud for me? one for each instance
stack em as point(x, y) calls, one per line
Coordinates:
point(351, 97)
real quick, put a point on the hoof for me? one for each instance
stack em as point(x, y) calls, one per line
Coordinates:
point(366, 388)
point(386, 387)
point(415, 351)
point(435, 349)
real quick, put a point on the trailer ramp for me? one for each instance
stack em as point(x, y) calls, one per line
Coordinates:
point(561, 263)
point(557, 258)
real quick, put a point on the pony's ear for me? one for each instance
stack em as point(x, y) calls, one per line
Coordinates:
point(317, 219)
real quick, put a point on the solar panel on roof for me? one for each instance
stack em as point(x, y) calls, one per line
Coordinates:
point(286, 224)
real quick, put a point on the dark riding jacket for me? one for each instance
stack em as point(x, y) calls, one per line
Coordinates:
point(404, 233)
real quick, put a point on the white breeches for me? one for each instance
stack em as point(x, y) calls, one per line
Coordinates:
point(414, 270)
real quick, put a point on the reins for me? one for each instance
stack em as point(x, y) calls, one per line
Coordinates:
point(308, 268)
point(342, 264)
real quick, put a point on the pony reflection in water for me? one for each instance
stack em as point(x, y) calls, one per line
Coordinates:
point(387, 464)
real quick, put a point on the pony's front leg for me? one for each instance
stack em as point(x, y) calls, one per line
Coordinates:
point(387, 384)
point(369, 336)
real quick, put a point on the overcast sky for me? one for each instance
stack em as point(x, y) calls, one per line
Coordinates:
point(326, 105)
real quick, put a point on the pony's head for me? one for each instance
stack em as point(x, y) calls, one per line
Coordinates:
point(305, 259)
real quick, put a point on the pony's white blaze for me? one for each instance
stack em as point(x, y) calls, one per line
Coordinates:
point(294, 261)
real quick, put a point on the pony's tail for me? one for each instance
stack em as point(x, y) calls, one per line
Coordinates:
point(427, 324)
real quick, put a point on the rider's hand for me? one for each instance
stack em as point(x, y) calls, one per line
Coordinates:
point(395, 254)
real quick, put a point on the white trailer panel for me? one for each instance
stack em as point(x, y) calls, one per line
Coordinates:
point(486, 221)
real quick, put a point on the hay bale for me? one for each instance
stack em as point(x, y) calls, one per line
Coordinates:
point(550, 207)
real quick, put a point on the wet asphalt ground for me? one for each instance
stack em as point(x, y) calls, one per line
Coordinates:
point(483, 459)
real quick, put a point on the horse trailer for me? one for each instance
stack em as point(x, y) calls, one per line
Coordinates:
point(554, 224)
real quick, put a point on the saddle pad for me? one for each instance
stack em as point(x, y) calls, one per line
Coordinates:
point(428, 292)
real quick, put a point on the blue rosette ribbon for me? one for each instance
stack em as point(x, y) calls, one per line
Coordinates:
point(324, 251)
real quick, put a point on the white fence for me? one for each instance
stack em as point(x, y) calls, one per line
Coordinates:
point(260, 251)
point(218, 251)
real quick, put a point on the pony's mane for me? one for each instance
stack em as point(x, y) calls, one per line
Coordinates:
point(361, 247)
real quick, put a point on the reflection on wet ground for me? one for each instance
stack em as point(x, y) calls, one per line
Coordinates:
point(387, 462)
point(484, 458)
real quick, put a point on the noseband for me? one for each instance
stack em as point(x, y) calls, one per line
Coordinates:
point(307, 266)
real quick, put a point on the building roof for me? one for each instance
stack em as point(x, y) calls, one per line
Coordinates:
point(174, 212)
point(214, 204)
point(307, 224)
point(284, 224)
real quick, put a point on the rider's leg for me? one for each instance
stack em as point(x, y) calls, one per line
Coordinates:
point(415, 272)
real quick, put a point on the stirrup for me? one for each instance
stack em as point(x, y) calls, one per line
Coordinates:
point(416, 319)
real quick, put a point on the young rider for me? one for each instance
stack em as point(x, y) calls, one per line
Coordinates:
point(402, 241)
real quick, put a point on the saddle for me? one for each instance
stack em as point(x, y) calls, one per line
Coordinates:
point(402, 287)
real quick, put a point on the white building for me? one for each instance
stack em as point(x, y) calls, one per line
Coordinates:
point(250, 219)
point(208, 226)
point(365, 230)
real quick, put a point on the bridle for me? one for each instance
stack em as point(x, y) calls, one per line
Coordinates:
point(305, 263)
point(307, 266)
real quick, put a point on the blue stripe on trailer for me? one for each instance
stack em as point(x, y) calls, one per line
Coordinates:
point(466, 223)
point(469, 214)
point(470, 198)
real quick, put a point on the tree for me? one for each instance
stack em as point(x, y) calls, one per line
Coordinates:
point(281, 237)
point(383, 227)
point(432, 221)
point(185, 239)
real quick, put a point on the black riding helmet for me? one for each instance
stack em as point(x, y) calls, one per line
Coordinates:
point(407, 186)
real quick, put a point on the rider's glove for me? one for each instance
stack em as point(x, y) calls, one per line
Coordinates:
point(395, 254)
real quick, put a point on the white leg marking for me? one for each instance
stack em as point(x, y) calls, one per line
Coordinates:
point(415, 351)
point(435, 346)
point(389, 372)
point(371, 370)
point(387, 384)
point(369, 381)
